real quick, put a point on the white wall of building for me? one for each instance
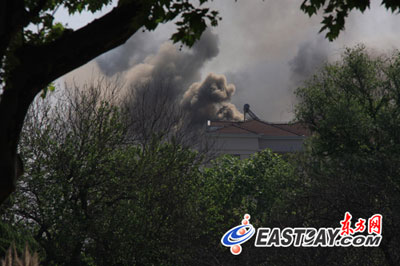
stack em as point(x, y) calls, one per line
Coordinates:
point(243, 145)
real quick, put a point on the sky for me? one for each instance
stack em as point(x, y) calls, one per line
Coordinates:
point(259, 54)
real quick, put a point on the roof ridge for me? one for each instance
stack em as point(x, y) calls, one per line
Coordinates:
point(284, 129)
point(235, 125)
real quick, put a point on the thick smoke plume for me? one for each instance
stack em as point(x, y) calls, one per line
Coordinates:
point(172, 77)
point(210, 99)
point(177, 68)
point(265, 48)
point(133, 52)
point(311, 55)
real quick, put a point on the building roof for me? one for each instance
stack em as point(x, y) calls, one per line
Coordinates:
point(258, 127)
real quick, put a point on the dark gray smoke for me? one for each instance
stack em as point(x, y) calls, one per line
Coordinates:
point(173, 77)
point(210, 99)
point(178, 68)
point(265, 87)
point(133, 52)
point(268, 85)
point(267, 49)
point(311, 55)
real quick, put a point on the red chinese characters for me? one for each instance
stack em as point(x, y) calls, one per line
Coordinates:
point(375, 224)
point(360, 225)
point(346, 225)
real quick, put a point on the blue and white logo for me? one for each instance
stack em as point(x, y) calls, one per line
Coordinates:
point(238, 235)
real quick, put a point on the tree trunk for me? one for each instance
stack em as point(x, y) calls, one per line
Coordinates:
point(13, 108)
point(34, 67)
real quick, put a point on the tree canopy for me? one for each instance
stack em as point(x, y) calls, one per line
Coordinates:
point(31, 59)
point(352, 161)
point(92, 195)
point(335, 12)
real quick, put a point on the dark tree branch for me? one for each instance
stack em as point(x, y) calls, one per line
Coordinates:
point(10, 13)
point(13, 18)
point(57, 58)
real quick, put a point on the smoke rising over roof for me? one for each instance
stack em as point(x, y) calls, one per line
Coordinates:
point(268, 48)
point(210, 99)
point(174, 75)
point(265, 48)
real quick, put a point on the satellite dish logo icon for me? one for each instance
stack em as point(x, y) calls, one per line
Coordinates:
point(238, 235)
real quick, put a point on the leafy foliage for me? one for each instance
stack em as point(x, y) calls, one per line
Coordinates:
point(27, 259)
point(35, 50)
point(263, 186)
point(353, 157)
point(336, 12)
point(92, 197)
point(14, 235)
point(190, 26)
